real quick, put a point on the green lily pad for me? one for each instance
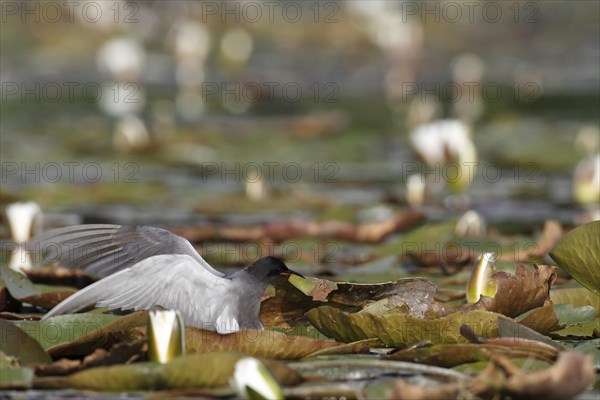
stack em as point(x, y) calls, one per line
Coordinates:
point(587, 330)
point(578, 253)
point(451, 355)
point(590, 348)
point(396, 330)
point(116, 330)
point(195, 370)
point(15, 378)
point(427, 237)
point(577, 297)
point(525, 362)
point(511, 329)
point(15, 342)
point(287, 308)
point(63, 328)
point(569, 315)
point(19, 286)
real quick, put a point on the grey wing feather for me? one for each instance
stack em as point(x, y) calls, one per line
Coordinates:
point(197, 294)
point(103, 249)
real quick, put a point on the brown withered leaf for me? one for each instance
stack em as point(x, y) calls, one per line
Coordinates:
point(568, 377)
point(10, 316)
point(120, 330)
point(542, 319)
point(315, 124)
point(278, 231)
point(542, 350)
point(289, 304)
point(118, 354)
point(525, 290)
point(48, 299)
point(551, 233)
point(258, 343)
point(404, 390)
point(21, 289)
point(60, 276)
point(7, 302)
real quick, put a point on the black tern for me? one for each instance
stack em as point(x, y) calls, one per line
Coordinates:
point(145, 267)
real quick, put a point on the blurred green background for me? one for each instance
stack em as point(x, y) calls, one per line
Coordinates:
point(163, 112)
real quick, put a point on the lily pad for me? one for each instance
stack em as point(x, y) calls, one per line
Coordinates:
point(577, 297)
point(121, 329)
point(264, 343)
point(15, 342)
point(18, 285)
point(288, 306)
point(49, 296)
point(587, 330)
point(569, 315)
point(590, 348)
point(551, 318)
point(426, 238)
point(397, 330)
point(63, 328)
point(508, 328)
point(15, 378)
point(194, 370)
point(451, 355)
point(578, 253)
point(22, 289)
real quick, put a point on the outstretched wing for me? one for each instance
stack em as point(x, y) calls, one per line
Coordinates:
point(174, 282)
point(102, 249)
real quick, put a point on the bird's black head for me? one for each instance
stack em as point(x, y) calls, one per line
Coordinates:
point(268, 269)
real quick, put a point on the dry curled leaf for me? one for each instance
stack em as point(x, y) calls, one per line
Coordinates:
point(118, 354)
point(525, 290)
point(569, 376)
point(566, 378)
point(542, 319)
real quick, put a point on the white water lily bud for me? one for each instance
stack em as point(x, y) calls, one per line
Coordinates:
point(586, 181)
point(257, 188)
point(447, 145)
point(252, 380)
point(481, 282)
point(471, 224)
point(415, 190)
point(24, 220)
point(166, 335)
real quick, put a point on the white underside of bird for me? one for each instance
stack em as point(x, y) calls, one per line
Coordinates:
point(173, 282)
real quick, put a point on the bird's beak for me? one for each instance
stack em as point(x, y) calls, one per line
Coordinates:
point(290, 272)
